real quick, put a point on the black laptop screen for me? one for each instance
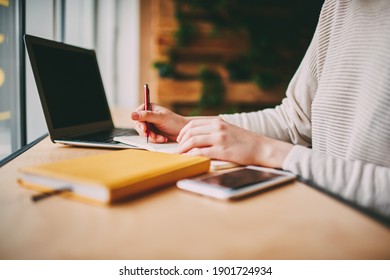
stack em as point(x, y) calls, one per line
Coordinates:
point(71, 85)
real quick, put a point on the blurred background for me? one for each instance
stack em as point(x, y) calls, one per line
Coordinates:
point(198, 56)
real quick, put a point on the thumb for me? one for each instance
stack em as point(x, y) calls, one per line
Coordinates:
point(145, 116)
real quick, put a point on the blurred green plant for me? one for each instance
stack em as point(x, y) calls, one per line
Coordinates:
point(213, 88)
point(165, 69)
point(278, 32)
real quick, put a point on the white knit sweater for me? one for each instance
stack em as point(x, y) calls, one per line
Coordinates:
point(337, 109)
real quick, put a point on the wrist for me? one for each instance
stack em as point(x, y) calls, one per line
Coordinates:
point(273, 152)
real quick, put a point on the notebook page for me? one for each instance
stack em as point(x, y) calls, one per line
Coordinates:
point(140, 142)
point(168, 147)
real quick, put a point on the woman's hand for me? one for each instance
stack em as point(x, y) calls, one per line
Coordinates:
point(218, 139)
point(164, 124)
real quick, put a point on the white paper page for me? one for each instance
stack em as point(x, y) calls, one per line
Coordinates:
point(140, 142)
point(169, 147)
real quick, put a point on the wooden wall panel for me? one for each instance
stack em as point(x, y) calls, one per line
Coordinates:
point(204, 51)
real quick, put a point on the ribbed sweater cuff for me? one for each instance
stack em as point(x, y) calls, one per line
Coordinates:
point(294, 158)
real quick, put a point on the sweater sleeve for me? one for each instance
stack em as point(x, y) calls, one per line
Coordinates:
point(363, 183)
point(290, 121)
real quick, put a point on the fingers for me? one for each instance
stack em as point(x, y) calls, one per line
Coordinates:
point(157, 138)
point(194, 125)
point(189, 134)
point(146, 116)
point(194, 142)
point(204, 152)
point(140, 117)
point(141, 128)
point(210, 152)
point(203, 136)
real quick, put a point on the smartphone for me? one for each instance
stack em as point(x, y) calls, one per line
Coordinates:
point(236, 183)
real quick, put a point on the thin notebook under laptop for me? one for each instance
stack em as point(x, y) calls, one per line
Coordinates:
point(72, 94)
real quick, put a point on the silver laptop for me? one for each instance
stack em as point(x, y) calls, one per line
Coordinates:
point(72, 94)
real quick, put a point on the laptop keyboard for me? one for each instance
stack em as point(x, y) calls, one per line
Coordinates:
point(105, 136)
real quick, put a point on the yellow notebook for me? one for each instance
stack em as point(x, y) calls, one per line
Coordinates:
point(112, 176)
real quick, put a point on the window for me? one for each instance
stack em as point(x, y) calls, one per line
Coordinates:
point(110, 27)
point(11, 78)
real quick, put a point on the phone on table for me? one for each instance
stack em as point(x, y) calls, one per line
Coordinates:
point(236, 183)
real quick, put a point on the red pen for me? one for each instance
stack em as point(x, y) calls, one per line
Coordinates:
point(147, 107)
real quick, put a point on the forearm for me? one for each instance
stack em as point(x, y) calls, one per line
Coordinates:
point(366, 184)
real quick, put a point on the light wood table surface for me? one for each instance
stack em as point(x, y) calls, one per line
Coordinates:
point(294, 221)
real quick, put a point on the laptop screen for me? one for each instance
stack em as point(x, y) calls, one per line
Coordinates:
point(72, 86)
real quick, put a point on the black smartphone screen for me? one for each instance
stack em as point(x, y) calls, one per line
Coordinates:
point(240, 178)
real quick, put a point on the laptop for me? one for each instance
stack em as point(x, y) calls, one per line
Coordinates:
point(72, 95)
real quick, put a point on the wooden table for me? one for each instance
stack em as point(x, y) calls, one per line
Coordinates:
point(291, 222)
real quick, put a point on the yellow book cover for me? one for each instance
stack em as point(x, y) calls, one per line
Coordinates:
point(113, 176)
